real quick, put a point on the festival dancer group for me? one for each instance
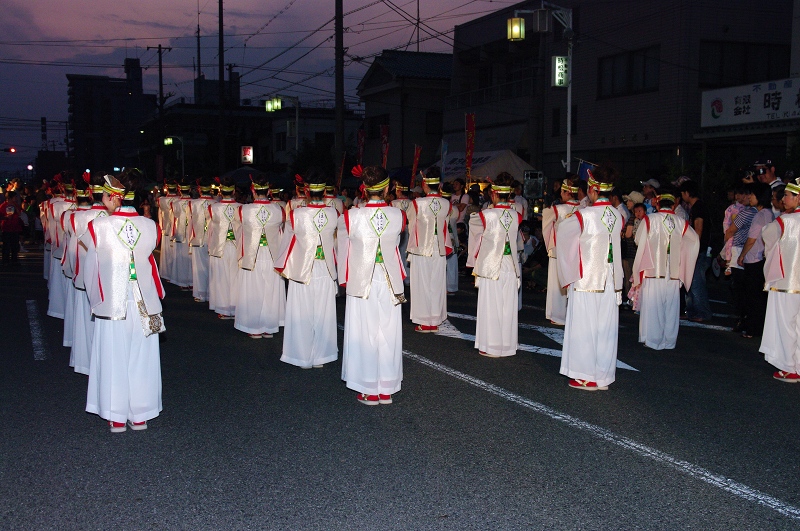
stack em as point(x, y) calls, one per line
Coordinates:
point(267, 264)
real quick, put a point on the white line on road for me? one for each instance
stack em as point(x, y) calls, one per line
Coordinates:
point(556, 334)
point(692, 324)
point(37, 334)
point(728, 485)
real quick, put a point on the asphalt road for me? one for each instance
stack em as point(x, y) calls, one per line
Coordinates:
point(700, 437)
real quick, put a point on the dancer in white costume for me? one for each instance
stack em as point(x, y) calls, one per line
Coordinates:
point(428, 247)
point(83, 330)
point(261, 296)
point(780, 341)
point(494, 239)
point(308, 260)
point(451, 282)
point(371, 269)
point(590, 263)
point(165, 222)
point(182, 260)
point(124, 292)
point(299, 199)
point(403, 203)
point(330, 199)
point(198, 223)
point(555, 307)
point(223, 262)
point(83, 202)
point(666, 252)
point(44, 217)
point(58, 283)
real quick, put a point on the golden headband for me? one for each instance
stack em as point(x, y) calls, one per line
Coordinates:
point(379, 186)
point(184, 188)
point(793, 187)
point(501, 189)
point(114, 188)
point(82, 193)
point(401, 188)
point(204, 188)
point(603, 187)
point(445, 194)
point(172, 186)
point(317, 187)
point(67, 187)
point(567, 188)
point(96, 188)
point(430, 180)
point(331, 189)
point(226, 189)
point(666, 197)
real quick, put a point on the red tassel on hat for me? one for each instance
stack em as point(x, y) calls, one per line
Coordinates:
point(357, 171)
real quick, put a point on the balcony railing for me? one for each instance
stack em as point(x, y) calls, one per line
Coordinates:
point(516, 89)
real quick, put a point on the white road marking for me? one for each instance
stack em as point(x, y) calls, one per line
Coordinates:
point(696, 472)
point(692, 324)
point(556, 334)
point(37, 334)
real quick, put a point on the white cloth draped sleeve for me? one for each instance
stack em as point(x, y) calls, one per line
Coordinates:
point(568, 236)
point(773, 266)
point(690, 246)
point(475, 234)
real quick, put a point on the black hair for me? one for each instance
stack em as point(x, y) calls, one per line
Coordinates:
point(315, 176)
point(433, 173)
point(372, 175)
point(763, 194)
point(691, 188)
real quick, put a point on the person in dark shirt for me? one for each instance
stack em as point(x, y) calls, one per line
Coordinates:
point(697, 305)
point(11, 226)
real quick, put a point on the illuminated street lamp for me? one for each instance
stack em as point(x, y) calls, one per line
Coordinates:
point(275, 104)
point(541, 19)
point(168, 142)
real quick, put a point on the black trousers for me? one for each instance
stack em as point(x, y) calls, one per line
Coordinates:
point(10, 246)
point(755, 297)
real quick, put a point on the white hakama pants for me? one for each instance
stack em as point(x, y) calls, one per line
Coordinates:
point(125, 370)
point(69, 314)
point(779, 341)
point(200, 273)
point(83, 330)
point(46, 264)
point(660, 315)
point(223, 285)
point(165, 258)
point(591, 333)
point(372, 357)
point(452, 273)
point(496, 326)
point(555, 306)
point(57, 297)
point(261, 297)
point(428, 289)
point(182, 267)
point(310, 335)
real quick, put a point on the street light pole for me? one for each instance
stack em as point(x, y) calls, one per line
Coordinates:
point(516, 32)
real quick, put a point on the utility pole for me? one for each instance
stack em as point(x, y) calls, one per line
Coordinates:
point(199, 86)
point(417, 26)
point(161, 98)
point(339, 82)
point(221, 130)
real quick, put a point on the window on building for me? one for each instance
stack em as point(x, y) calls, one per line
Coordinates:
point(628, 73)
point(725, 64)
point(556, 127)
point(280, 141)
point(433, 123)
point(374, 126)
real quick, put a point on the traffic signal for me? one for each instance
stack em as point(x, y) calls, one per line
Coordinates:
point(10, 150)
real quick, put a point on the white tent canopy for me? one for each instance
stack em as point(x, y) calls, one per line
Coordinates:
point(485, 164)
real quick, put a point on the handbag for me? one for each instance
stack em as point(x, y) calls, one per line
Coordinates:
point(151, 324)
